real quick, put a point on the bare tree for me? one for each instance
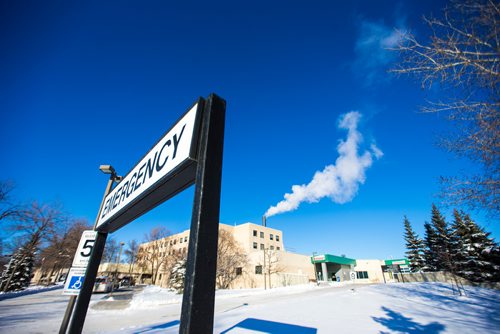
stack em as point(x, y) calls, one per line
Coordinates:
point(463, 55)
point(62, 247)
point(271, 263)
point(230, 256)
point(154, 252)
point(110, 250)
point(7, 208)
point(37, 224)
point(131, 253)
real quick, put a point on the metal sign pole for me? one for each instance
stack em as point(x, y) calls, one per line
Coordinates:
point(67, 315)
point(82, 302)
point(199, 286)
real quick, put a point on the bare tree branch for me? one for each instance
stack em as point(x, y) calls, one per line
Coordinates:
point(463, 53)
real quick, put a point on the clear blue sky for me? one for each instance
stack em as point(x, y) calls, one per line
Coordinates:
point(84, 84)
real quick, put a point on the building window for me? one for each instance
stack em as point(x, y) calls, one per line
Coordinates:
point(277, 237)
point(185, 239)
point(254, 245)
point(261, 246)
point(270, 237)
point(258, 270)
point(254, 233)
point(239, 271)
point(278, 248)
point(180, 240)
point(272, 247)
point(262, 234)
point(361, 274)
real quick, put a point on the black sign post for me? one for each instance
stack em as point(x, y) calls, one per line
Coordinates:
point(199, 286)
point(83, 299)
point(202, 166)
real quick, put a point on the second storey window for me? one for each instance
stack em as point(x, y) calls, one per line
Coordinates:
point(254, 245)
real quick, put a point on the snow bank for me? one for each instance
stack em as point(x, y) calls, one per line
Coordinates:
point(221, 294)
point(29, 291)
point(153, 296)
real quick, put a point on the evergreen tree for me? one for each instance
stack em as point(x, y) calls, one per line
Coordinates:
point(482, 253)
point(458, 235)
point(431, 257)
point(17, 274)
point(442, 240)
point(414, 247)
point(176, 280)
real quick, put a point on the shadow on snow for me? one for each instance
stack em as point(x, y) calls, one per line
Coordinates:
point(399, 323)
point(159, 326)
point(482, 305)
point(271, 327)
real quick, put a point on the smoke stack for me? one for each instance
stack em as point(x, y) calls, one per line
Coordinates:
point(264, 221)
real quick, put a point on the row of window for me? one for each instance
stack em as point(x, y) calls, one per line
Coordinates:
point(361, 274)
point(262, 247)
point(173, 241)
point(258, 271)
point(271, 236)
point(142, 256)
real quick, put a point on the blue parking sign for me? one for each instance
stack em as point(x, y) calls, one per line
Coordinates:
point(74, 281)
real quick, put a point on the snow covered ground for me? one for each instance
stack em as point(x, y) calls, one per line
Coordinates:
point(29, 291)
point(393, 308)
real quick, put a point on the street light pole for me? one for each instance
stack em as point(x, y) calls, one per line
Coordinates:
point(115, 276)
point(119, 257)
point(106, 169)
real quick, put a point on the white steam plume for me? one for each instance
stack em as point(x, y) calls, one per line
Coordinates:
point(340, 182)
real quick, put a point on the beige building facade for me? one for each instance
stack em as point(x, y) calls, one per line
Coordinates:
point(269, 265)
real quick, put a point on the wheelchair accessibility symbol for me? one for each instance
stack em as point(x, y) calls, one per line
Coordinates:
point(76, 282)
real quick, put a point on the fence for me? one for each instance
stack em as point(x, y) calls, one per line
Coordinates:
point(438, 276)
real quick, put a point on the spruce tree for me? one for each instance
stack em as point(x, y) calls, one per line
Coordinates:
point(458, 250)
point(442, 241)
point(431, 250)
point(414, 247)
point(483, 252)
point(17, 274)
point(176, 280)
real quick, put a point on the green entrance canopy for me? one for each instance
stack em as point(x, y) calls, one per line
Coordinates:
point(328, 258)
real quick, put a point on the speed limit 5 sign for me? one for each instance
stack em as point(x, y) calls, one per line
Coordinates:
point(84, 249)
